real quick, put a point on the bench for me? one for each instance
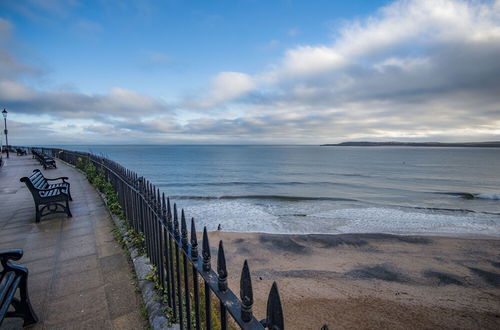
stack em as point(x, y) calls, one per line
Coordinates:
point(21, 152)
point(41, 182)
point(12, 278)
point(44, 160)
point(52, 200)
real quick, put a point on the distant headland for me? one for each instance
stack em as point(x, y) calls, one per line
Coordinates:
point(490, 144)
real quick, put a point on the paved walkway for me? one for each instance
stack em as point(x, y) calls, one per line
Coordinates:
point(79, 277)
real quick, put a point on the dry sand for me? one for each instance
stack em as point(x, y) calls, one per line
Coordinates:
point(371, 281)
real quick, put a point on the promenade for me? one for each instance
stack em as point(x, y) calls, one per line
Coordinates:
point(79, 276)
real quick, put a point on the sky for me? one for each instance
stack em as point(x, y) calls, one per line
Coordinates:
point(249, 71)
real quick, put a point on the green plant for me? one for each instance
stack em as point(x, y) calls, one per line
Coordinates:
point(136, 240)
point(170, 315)
point(115, 208)
point(144, 312)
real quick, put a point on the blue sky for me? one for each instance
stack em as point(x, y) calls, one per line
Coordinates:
point(165, 48)
point(249, 71)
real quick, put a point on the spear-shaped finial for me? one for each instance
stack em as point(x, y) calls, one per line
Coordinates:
point(221, 268)
point(246, 293)
point(194, 242)
point(169, 216)
point(176, 223)
point(274, 319)
point(158, 200)
point(205, 251)
point(163, 208)
point(184, 233)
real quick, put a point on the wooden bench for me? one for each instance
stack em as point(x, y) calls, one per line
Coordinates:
point(44, 160)
point(12, 278)
point(52, 200)
point(21, 152)
point(41, 182)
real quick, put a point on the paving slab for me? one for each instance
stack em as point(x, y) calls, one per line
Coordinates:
point(79, 276)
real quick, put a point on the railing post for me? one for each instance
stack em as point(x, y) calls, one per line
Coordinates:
point(196, 290)
point(171, 257)
point(222, 283)
point(178, 267)
point(185, 268)
point(206, 267)
point(166, 240)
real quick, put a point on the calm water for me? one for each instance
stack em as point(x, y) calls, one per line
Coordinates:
point(312, 189)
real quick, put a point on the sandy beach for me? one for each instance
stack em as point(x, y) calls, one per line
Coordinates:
point(371, 281)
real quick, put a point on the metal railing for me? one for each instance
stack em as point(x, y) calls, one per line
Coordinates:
point(185, 276)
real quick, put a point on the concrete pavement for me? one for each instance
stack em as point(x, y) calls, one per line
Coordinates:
point(79, 276)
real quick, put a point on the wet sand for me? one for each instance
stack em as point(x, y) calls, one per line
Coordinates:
point(371, 281)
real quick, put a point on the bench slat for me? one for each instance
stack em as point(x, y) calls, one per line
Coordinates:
point(5, 284)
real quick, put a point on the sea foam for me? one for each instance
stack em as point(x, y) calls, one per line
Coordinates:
point(488, 196)
point(243, 216)
point(387, 220)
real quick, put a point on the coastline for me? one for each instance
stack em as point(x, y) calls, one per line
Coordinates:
point(371, 280)
point(486, 144)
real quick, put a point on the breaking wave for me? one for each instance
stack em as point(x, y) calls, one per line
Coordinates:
point(265, 197)
point(468, 195)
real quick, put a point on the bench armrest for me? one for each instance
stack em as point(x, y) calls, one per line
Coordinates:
point(14, 254)
point(63, 178)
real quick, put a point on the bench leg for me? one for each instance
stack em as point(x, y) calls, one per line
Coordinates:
point(38, 215)
point(24, 305)
point(67, 209)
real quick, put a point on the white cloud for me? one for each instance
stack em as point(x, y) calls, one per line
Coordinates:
point(117, 103)
point(308, 60)
point(225, 87)
point(11, 90)
point(229, 85)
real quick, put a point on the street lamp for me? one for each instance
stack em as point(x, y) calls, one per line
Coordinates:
point(4, 113)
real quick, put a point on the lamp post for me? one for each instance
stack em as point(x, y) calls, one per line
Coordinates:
point(4, 113)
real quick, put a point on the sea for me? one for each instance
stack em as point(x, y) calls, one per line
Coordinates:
point(296, 189)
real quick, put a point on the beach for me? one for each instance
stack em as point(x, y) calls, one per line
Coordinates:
point(371, 281)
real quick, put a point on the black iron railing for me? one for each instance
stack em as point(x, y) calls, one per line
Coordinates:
point(186, 278)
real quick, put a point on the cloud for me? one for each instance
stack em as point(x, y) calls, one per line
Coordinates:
point(64, 104)
point(307, 60)
point(226, 86)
